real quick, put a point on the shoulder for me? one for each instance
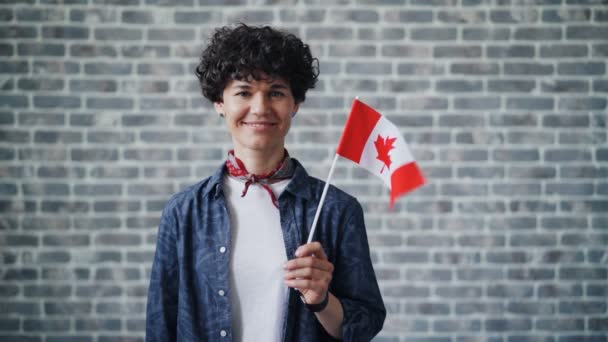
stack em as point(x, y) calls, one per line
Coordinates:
point(193, 195)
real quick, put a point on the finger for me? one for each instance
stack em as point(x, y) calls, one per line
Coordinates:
point(307, 284)
point(311, 262)
point(308, 273)
point(314, 248)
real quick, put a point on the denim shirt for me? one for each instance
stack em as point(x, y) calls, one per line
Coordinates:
point(188, 297)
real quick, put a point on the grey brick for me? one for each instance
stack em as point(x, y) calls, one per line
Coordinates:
point(582, 338)
point(325, 33)
point(510, 51)
point(56, 67)
point(14, 101)
point(479, 274)
point(404, 291)
point(69, 338)
point(109, 103)
point(433, 34)
point(9, 324)
point(582, 103)
point(376, 68)
point(117, 34)
point(17, 32)
point(567, 155)
point(103, 86)
point(409, 16)
point(51, 291)
point(513, 223)
point(116, 206)
point(118, 69)
point(102, 14)
point(406, 51)
point(566, 15)
point(251, 16)
point(560, 324)
point(46, 325)
point(477, 103)
point(137, 51)
point(13, 67)
point(586, 32)
point(353, 16)
point(514, 16)
point(65, 32)
point(427, 308)
point(67, 308)
point(55, 137)
point(471, 308)
point(352, 50)
point(516, 155)
point(419, 69)
point(20, 274)
point(98, 324)
point(39, 14)
point(530, 103)
point(158, 103)
point(203, 17)
point(94, 154)
point(86, 50)
point(474, 68)
point(56, 101)
point(583, 273)
point(40, 49)
point(484, 33)
point(538, 33)
point(458, 86)
point(138, 17)
point(576, 68)
point(148, 154)
point(461, 16)
point(528, 69)
point(563, 51)
point(171, 34)
point(531, 308)
point(40, 84)
point(565, 86)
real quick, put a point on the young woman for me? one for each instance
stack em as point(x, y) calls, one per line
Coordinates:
point(231, 261)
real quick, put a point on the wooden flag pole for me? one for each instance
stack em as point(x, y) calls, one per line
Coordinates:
point(318, 213)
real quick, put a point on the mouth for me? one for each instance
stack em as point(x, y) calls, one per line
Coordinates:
point(259, 124)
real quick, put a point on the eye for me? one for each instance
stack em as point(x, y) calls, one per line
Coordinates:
point(276, 94)
point(243, 94)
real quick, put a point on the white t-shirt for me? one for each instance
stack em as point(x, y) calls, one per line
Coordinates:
point(257, 290)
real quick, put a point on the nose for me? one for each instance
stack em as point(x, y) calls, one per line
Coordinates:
point(260, 104)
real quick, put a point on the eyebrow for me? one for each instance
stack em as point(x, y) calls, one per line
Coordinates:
point(247, 86)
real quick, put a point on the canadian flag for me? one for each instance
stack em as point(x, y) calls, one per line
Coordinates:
point(376, 144)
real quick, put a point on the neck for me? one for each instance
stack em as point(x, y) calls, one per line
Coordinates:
point(260, 162)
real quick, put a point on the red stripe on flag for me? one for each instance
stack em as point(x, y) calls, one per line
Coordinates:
point(359, 126)
point(405, 179)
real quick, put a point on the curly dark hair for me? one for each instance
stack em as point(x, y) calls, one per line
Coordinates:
point(247, 52)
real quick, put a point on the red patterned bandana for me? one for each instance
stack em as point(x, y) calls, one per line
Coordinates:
point(237, 169)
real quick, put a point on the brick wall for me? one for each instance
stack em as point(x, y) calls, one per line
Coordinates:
point(502, 101)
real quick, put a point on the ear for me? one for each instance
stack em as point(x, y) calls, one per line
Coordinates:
point(219, 107)
point(296, 108)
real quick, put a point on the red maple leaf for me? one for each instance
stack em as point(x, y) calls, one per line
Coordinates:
point(384, 147)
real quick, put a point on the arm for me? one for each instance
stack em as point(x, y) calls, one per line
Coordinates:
point(354, 281)
point(161, 312)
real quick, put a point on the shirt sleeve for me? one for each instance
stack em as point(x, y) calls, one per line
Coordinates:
point(354, 281)
point(161, 312)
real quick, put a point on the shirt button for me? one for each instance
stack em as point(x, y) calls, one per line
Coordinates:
point(221, 293)
point(223, 333)
point(222, 249)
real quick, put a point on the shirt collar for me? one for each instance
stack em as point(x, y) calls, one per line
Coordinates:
point(299, 185)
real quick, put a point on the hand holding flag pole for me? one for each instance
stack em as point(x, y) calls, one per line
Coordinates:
point(376, 144)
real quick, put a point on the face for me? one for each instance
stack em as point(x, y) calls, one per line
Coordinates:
point(258, 114)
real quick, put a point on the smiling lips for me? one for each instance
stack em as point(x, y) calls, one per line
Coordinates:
point(259, 124)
